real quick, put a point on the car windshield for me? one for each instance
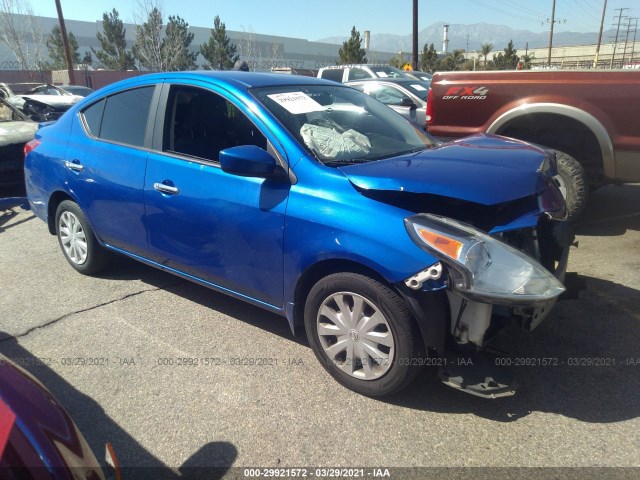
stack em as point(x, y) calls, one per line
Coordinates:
point(340, 125)
point(419, 89)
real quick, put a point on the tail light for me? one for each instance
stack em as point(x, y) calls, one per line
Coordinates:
point(429, 107)
point(31, 146)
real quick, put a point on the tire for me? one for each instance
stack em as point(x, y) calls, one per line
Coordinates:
point(77, 241)
point(377, 367)
point(572, 183)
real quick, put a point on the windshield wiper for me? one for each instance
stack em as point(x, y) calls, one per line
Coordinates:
point(334, 163)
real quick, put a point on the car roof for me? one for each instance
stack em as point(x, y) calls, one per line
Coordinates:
point(401, 81)
point(240, 80)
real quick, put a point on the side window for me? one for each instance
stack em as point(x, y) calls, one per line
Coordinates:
point(93, 117)
point(200, 123)
point(358, 74)
point(334, 74)
point(125, 116)
point(388, 95)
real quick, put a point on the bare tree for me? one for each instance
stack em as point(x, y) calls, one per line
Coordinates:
point(161, 47)
point(277, 54)
point(148, 47)
point(21, 31)
point(248, 46)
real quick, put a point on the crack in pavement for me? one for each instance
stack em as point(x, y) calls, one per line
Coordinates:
point(7, 337)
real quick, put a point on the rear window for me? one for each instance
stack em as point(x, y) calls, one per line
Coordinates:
point(121, 118)
point(334, 74)
point(358, 74)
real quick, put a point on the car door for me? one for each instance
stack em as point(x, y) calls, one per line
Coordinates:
point(106, 161)
point(222, 229)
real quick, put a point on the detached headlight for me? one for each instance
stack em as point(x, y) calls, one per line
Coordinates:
point(481, 267)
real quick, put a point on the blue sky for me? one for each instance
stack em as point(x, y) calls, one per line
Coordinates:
point(316, 19)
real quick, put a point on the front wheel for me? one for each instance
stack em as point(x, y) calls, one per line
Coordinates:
point(77, 241)
point(362, 333)
point(572, 183)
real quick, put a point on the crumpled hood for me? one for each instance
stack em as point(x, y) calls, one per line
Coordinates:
point(484, 169)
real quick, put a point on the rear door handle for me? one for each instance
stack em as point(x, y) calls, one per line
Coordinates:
point(74, 165)
point(168, 189)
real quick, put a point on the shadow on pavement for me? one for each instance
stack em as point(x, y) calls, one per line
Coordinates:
point(211, 461)
point(593, 341)
point(611, 211)
point(124, 268)
point(596, 377)
point(10, 214)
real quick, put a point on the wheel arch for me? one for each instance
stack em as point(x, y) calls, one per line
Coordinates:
point(422, 305)
point(588, 121)
point(54, 201)
point(319, 270)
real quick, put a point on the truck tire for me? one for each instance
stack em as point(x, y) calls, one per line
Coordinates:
point(572, 183)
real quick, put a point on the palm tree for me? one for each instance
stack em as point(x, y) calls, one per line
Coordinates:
point(486, 50)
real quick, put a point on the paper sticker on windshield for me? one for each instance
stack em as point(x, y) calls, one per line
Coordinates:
point(296, 102)
point(420, 88)
point(382, 74)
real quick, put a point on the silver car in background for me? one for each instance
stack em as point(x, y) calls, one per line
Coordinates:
point(406, 96)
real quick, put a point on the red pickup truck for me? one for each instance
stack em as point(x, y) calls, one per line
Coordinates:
point(590, 117)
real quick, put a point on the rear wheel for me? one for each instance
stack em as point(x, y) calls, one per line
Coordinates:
point(362, 333)
point(77, 241)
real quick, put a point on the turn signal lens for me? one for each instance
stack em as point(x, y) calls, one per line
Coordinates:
point(446, 245)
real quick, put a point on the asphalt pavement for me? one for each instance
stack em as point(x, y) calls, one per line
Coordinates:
point(177, 376)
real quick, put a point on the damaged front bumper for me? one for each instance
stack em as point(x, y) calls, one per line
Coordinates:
point(473, 319)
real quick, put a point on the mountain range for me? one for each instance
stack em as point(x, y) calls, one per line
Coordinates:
point(476, 35)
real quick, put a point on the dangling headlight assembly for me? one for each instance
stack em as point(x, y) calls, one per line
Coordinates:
point(482, 268)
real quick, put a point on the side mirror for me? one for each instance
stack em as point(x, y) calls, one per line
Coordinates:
point(248, 161)
point(407, 102)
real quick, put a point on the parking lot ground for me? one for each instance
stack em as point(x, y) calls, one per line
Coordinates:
point(177, 376)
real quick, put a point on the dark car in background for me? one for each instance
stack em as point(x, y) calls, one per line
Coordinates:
point(406, 96)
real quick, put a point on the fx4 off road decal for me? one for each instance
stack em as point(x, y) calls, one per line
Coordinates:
point(466, 93)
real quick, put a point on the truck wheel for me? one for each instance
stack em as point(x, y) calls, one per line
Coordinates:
point(572, 183)
point(362, 333)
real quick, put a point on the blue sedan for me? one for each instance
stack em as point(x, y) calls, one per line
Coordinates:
point(314, 201)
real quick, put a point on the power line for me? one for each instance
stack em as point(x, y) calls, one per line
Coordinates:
point(512, 4)
point(494, 9)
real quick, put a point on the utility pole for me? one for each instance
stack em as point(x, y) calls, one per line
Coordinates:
point(615, 44)
point(626, 41)
point(633, 45)
point(467, 43)
point(595, 59)
point(553, 16)
point(65, 44)
point(415, 35)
